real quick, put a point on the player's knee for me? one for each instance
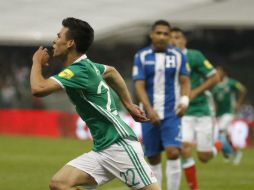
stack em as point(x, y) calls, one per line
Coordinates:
point(204, 157)
point(56, 185)
point(154, 160)
point(154, 186)
point(186, 150)
point(172, 153)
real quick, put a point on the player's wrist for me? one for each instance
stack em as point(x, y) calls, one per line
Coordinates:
point(184, 100)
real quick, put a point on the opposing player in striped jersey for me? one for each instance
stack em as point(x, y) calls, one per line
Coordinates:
point(162, 86)
point(197, 124)
point(116, 151)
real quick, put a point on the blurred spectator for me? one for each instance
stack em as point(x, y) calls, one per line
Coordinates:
point(8, 94)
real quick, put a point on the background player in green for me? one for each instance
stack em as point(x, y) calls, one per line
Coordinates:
point(229, 95)
point(116, 151)
point(197, 124)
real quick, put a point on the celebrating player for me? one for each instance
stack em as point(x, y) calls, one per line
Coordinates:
point(116, 151)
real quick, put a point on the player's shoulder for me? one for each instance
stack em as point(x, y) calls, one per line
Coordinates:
point(194, 51)
point(232, 81)
point(82, 65)
point(145, 50)
point(174, 50)
point(81, 62)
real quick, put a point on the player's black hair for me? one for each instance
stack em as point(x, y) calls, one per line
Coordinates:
point(160, 22)
point(176, 29)
point(80, 31)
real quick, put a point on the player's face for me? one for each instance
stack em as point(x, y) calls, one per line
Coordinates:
point(178, 40)
point(61, 44)
point(160, 37)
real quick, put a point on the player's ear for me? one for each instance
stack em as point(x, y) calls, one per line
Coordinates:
point(70, 43)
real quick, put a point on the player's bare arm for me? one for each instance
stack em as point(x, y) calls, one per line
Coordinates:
point(116, 82)
point(185, 92)
point(207, 84)
point(143, 98)
point(240, 98)
point(39, 85)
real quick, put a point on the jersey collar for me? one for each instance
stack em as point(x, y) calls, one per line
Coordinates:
point(80, 58)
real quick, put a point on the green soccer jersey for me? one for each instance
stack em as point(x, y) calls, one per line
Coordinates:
point(200, 68)
point(94, 102)
point(225, 95)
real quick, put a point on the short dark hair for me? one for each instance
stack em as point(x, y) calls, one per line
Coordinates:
point(160, 22)
point(176, 29)
point(80, 31)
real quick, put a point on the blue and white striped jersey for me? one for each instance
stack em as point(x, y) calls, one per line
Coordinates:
point(161, 71)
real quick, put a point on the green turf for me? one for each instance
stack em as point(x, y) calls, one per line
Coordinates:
point(28, 163)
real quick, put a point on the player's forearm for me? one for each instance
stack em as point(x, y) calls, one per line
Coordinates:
point(116, 82)
point(36, 79)
point(185, 85)
point(241, 96)
point(209, 83)
point(142, 95)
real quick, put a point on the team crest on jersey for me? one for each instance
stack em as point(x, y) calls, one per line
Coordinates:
point(67, 73)
point(207, 64)
point(170, 62)
point(238, 85)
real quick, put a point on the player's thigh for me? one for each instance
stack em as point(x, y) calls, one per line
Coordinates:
point(154, 186)
point(151, 139)
point(70, 176)
point(225, 120)
point(204, 133)
point(171, 132)
point(125, 160)
point(91, 163)
point(188, 129)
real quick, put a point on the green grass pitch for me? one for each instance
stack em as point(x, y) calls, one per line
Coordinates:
point(28, 163)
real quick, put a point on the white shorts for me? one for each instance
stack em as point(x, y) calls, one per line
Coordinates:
point(124, 160)
point(225, 120)
point(198, 130)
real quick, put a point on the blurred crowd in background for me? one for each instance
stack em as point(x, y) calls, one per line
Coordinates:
point(230, 48)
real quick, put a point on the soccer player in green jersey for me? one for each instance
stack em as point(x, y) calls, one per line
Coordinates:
point(197, 124)
point(228, 95)
point(116, 151)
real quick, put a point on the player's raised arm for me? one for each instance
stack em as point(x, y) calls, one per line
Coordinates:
point(39, 85)
point(116, 82)
point(242, 91)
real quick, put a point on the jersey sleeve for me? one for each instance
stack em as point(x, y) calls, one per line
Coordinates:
point(204, 66)
point(73, 76)
point(138, 70)
point(236, 85)
point(102, 68)
point(184, 66)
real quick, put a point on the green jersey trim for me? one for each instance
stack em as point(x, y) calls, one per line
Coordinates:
point(80, 58)
point(57, 82)
point(120, 129)
point(212, 72)
point(105, 69)
point(136, 162)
